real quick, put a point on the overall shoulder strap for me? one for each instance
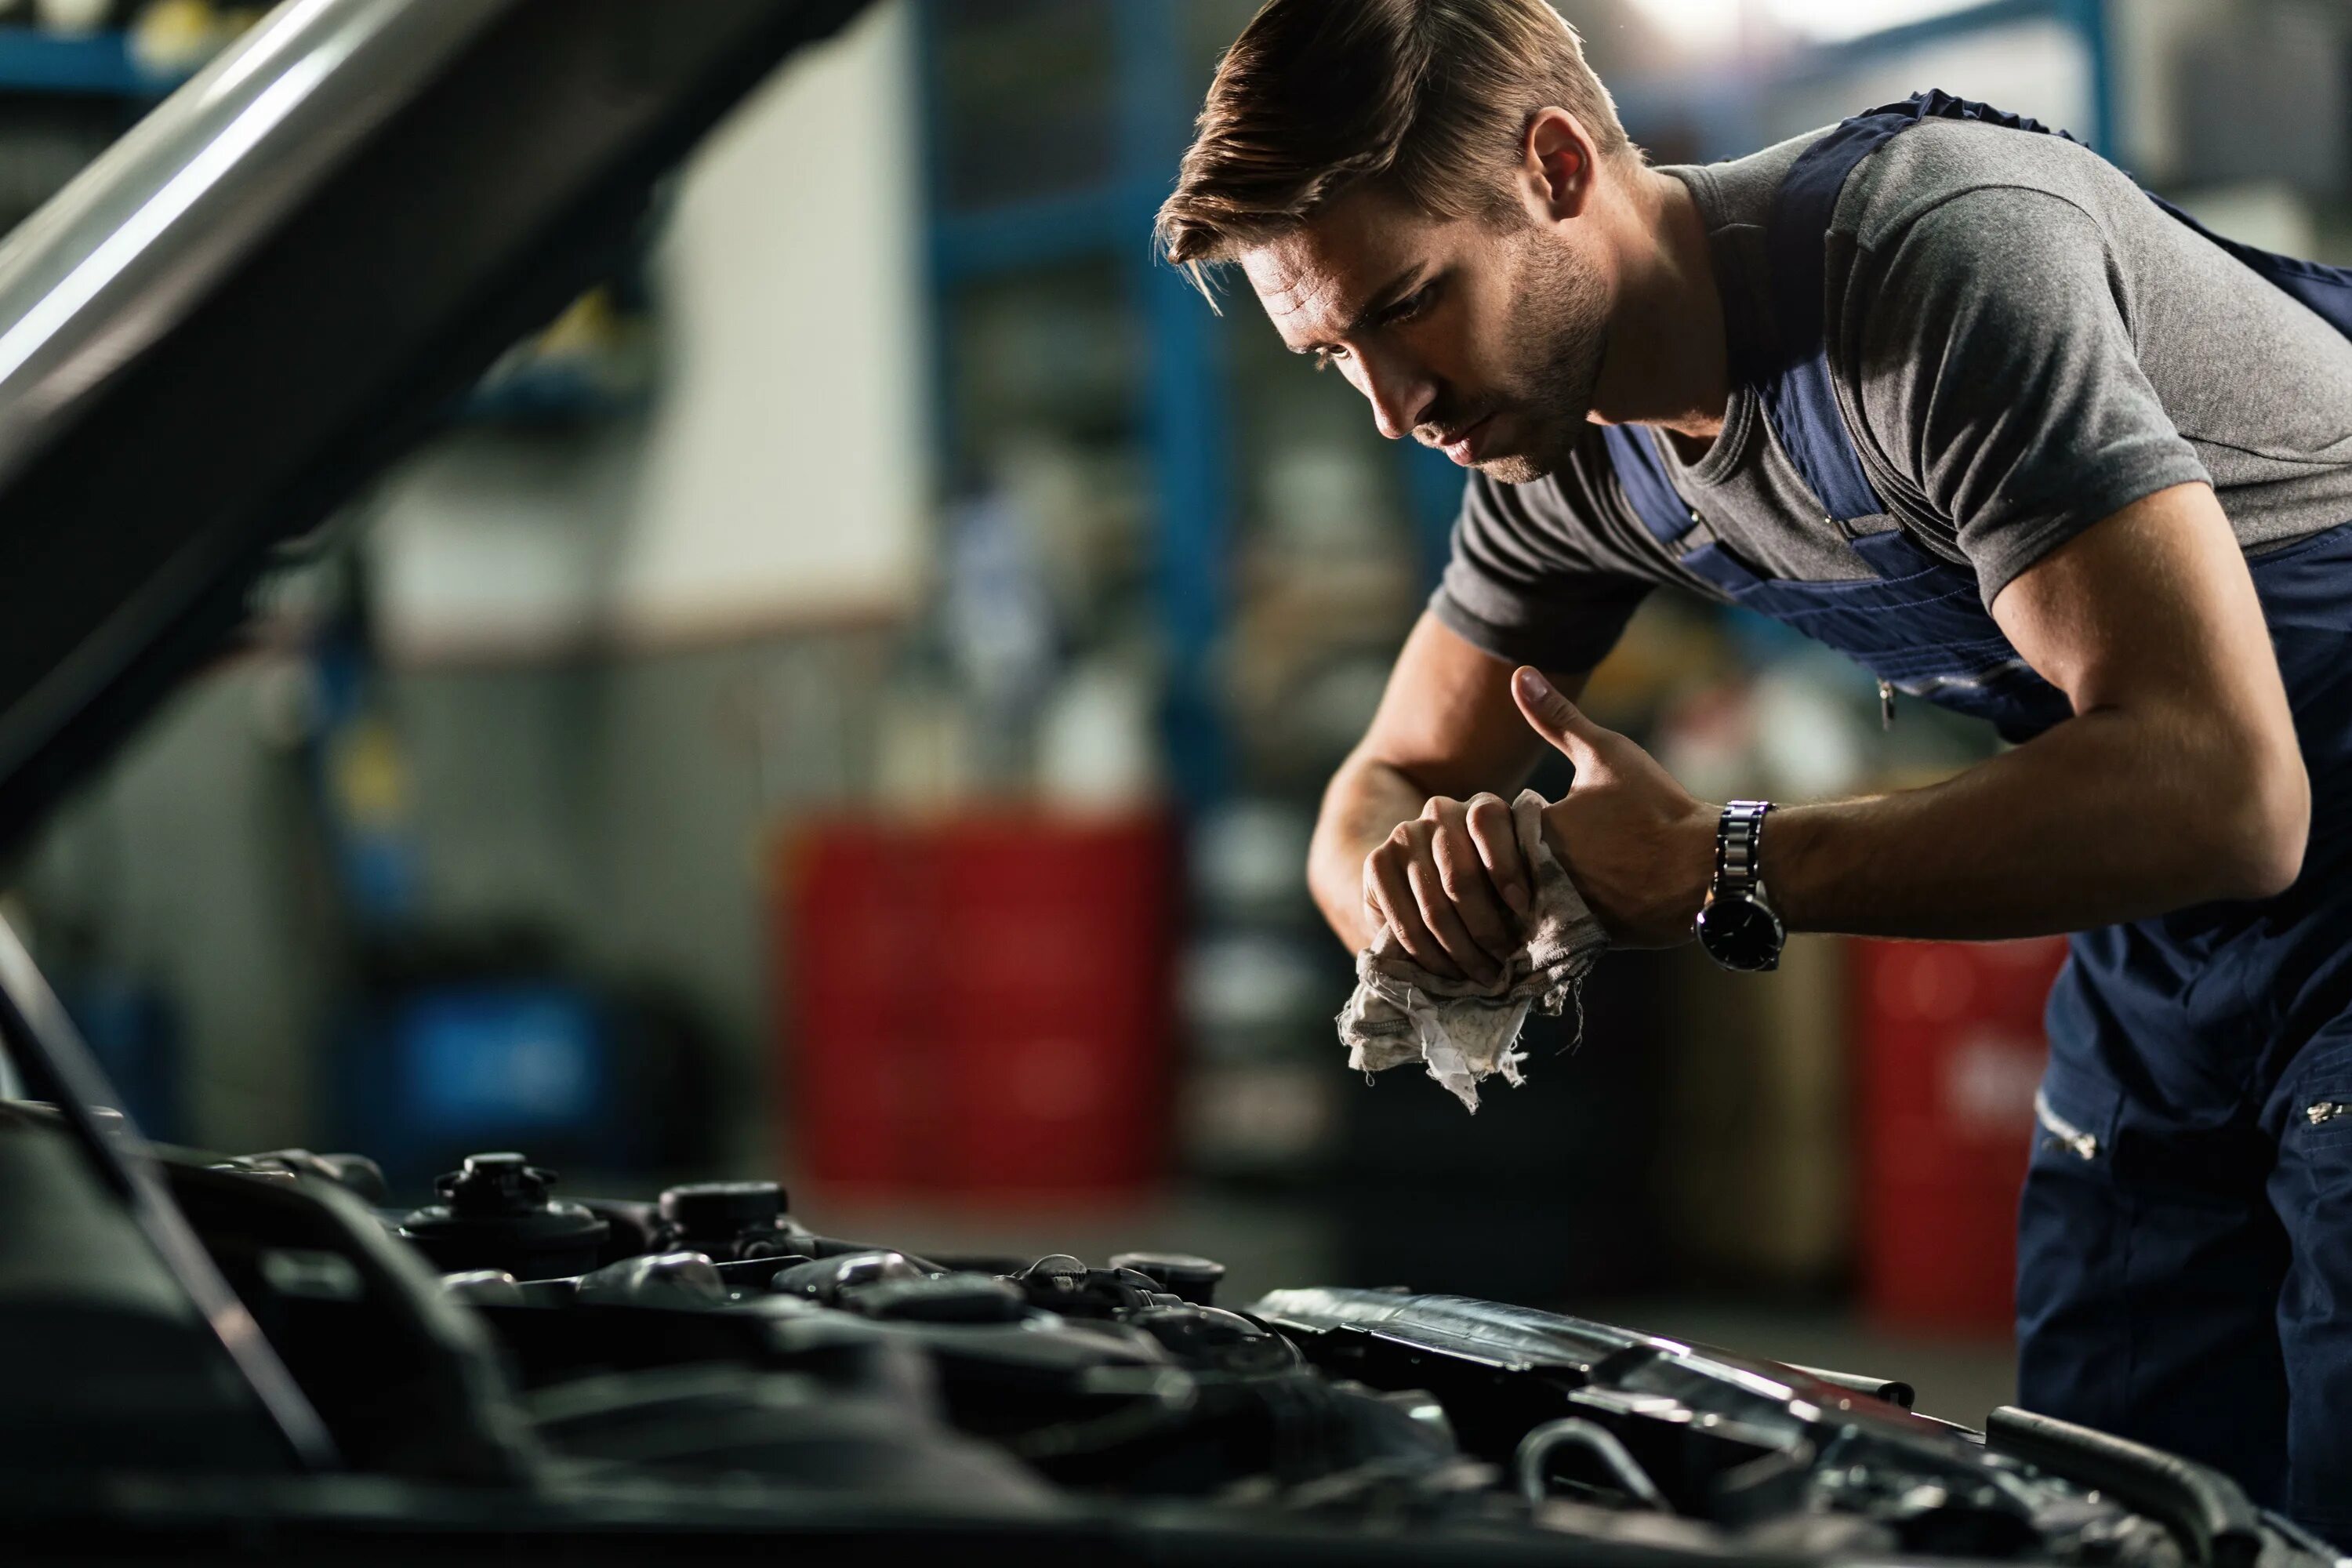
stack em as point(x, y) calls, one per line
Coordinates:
point(1641, 474)
point(1793, 381)
point(1792, 376)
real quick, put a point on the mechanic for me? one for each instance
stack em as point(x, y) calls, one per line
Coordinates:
point(1954, 396)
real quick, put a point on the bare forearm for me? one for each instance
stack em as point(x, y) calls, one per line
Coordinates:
point(1365, 801)
point(2107, 817)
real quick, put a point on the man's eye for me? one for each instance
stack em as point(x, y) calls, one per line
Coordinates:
point(1324, 358)
point(1412, 305)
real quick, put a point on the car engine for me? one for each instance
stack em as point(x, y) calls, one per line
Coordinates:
point(519, 1360)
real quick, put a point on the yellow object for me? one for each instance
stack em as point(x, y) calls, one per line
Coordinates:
point(588, 326)
point(369, 776)
point(173, 37)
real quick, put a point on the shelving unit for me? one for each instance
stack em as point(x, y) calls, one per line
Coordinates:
point(1155, 55)
point(1106, 220)
point(1104, 174)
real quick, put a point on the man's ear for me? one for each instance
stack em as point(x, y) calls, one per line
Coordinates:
point(1557, 167)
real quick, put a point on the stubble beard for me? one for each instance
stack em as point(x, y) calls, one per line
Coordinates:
point(1560, 322)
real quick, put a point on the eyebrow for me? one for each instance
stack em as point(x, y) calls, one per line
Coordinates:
point(1385, 296)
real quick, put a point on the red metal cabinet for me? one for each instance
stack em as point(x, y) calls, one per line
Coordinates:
point(978, 1006)
point(1949, 1049)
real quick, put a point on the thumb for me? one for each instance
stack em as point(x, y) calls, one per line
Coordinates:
point(1556, 718)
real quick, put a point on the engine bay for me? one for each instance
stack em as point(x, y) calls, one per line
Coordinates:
point(511, 1359)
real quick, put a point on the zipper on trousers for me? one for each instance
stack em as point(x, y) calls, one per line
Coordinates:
point(1886, 705)
point(2320, 1112)
point(2061, 1133)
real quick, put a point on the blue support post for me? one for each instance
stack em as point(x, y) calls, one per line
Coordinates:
point(944, 434)
point(1185, 414)
point(2090, 19)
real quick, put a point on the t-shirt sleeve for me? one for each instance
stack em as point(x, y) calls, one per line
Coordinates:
point(1998, 372)
point(1521, 583)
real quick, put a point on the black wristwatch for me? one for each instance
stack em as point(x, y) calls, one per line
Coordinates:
point(1738, 927)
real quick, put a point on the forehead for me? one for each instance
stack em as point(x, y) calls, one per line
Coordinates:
point(1314, 279)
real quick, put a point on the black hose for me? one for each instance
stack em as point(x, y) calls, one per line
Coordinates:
point(2206, 1509)
point(1886, 1388)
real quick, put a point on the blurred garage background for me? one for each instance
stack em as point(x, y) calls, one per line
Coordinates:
point(847, 700)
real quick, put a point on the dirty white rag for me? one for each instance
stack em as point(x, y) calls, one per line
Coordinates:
point(1464, 1032)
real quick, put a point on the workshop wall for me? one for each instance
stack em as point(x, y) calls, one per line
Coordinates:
point(782, 473)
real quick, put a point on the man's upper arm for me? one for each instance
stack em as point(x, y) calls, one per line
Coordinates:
point(1998, 374)
point(1447, 720)
point(2150, 618)
point(2153, 606)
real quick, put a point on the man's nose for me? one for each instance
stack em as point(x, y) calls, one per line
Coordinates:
point(1398, 393)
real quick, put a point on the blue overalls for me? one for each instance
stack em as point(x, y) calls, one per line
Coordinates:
point(2185, 1250)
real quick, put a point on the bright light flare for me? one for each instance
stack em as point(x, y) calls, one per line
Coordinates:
point(1720, 26)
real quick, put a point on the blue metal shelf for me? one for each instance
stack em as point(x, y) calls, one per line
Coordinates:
point(1016, 235)
point(87, 64)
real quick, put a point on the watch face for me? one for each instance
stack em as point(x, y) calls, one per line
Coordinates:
point(1740, 933)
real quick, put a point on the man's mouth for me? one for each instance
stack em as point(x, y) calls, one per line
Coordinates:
point(1462, 445)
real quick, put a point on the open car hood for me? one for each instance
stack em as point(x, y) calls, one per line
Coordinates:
point(275, 283)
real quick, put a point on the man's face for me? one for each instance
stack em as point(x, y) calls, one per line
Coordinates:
point(1482, 338)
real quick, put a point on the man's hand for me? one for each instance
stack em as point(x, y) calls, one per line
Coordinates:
point(1634, 842)
point(1452, 885)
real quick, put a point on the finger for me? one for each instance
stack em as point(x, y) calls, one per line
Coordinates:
point(1388, 891)
point(1462, 876)
point(1438, 914)
point(1468, 892)
point(1549, 712)
point(1496, 839)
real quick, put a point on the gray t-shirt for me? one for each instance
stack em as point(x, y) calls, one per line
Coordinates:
point(2023, 344)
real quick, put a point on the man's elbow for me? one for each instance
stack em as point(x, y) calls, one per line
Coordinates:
point(2265, 813)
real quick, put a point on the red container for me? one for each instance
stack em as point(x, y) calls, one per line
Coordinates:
point(1949, 1051)
point(978, 1006)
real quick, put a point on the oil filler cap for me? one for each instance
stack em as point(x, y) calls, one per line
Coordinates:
point(495, 1214)
point(1178, 1273)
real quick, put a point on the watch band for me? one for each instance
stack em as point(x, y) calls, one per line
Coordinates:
point(1739, 839)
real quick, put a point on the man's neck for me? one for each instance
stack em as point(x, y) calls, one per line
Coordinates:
point(1666, 364)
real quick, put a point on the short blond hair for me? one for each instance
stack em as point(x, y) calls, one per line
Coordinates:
point(1430, 97)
